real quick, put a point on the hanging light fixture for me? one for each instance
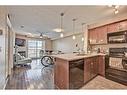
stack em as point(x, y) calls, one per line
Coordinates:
point(115, 7)
point(61, 25)
point(82, 31)
point(73, 37)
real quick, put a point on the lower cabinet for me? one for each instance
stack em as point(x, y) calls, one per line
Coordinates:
point(101, 65)
point(90, 68)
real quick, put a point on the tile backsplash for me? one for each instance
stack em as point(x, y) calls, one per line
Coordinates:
point(105, 48)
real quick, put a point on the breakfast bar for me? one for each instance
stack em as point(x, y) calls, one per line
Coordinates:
point(85, 66)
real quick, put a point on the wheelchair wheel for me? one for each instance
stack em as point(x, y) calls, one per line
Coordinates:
point(46, 61)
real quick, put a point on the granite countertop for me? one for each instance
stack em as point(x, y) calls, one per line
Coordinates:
point(71, 57)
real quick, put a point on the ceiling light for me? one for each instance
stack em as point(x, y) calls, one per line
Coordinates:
point(61, 25)
point(82, 39)
point(116, 6)
point(73, 37)
point(116, 11)
point(61, 35)
point(41, 35)
point(58, 30)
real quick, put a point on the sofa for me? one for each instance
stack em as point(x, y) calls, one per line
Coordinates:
point(21, 60)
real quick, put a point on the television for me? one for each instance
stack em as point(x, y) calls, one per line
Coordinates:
point(20, 42)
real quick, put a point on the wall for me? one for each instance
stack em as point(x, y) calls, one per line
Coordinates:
point(48, 44)
point(67, 44)
point(105, 48)
point(2, 46)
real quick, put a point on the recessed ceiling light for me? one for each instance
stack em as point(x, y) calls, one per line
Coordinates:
point(58, 30)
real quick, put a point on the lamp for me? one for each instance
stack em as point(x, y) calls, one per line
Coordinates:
point(61, 24)
point(73, 37)
point(82, 31)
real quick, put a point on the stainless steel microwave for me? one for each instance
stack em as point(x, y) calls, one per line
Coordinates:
point(117, 37)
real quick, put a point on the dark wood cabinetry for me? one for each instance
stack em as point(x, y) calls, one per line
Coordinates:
point(90, 68)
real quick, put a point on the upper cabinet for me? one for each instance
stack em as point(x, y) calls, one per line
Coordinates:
point(98, 35)
point(118, 26)
point(123, 25)
point(114, 27)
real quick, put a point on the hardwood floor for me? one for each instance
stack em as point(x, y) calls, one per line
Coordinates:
point(33, 76)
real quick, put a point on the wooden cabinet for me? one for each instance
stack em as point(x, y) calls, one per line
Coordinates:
point(123, 25)
point(90, 68)
point(61, 73)
point(87, 70)
point(101, 65)
point(114, 27)
point(98, 35)
point(102, 34)
point(92, 36)
point(118, 26)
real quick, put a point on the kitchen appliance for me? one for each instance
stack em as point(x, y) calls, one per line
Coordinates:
point(76, 74)
point(117, 37)
point(116, 65)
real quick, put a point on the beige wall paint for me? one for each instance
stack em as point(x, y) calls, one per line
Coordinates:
point(2, 46)
point(67, 44)
point(48, 44)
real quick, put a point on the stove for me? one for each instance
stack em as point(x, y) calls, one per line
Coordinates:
point(116, 65)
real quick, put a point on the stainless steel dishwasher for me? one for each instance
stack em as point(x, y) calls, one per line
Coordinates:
point(76, 74)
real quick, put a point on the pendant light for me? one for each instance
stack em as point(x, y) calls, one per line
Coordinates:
point(82, 31)
point(73, 37)
point(61, 25)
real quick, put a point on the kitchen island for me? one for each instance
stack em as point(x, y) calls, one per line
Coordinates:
point(90, 64)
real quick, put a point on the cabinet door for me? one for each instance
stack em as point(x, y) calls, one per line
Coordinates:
point(113, 27)
point(102, 35)
point(93, 66)
point(92, 36)
point(87, 70)
point(101, 65)
point(123, 25)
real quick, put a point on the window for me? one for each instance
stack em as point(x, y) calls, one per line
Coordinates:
point(34, 47)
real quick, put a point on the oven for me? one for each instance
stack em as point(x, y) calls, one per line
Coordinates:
point(116, 65)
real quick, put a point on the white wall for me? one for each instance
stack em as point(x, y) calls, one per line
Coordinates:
point(2, 46)
point(67, 44)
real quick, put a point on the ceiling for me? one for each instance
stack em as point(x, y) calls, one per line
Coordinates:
point(43, 19)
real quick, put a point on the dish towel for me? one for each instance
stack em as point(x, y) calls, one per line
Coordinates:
point(115, 62)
